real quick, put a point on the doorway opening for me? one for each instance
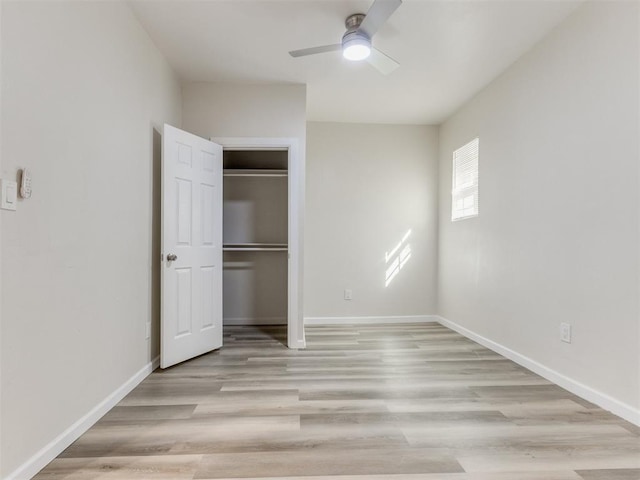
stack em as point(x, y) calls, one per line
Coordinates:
point(255, 232)
point(262, 196)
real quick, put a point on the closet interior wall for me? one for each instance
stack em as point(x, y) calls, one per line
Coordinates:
point(255, 237)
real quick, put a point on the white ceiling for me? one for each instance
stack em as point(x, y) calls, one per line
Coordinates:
point(448, 50)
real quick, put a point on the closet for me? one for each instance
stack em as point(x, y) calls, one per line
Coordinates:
point(231, 252)
point(255, 235)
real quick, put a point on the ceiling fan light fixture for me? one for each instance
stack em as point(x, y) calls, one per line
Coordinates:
point(356, 42)
point(356, 46)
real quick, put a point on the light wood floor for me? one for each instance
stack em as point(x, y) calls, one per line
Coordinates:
point(392, 402)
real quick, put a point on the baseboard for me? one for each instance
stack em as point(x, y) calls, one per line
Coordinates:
point(40, 460)
point(255, 321)
point(370, 320)
point(603, 400)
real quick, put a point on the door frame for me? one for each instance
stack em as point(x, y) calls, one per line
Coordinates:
point(295, 180)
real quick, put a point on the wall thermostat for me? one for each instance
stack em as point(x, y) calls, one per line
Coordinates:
point(25, 183)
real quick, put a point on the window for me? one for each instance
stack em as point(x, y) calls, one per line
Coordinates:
point(464, 196)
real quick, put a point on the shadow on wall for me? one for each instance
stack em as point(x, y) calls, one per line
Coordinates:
point(156, 264)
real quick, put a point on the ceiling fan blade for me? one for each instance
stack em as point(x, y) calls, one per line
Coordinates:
point(379, 13)
point(383, 63)
point(314, 50)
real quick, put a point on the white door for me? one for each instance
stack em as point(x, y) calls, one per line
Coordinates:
point(191, 321)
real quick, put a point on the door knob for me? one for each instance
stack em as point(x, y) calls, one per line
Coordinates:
point(172, 257)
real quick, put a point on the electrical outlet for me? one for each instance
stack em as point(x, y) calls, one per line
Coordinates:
point(565, 332)
point(348, 294)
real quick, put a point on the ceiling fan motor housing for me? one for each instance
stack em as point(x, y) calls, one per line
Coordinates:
point(354, 21)
point(355, 36)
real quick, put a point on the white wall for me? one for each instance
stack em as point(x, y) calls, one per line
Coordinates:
point(225, 110)
point(367, 186)
point(558, 232)
point(83, 88)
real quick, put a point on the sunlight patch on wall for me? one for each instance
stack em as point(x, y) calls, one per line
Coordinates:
point(397, 258)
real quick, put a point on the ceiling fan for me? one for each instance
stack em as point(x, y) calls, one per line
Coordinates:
point(356, 42)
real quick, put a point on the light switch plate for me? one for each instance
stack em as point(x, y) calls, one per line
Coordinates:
point(9, 192)
point(565, 332)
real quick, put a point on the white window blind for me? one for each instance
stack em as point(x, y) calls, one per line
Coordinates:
point(464, 201)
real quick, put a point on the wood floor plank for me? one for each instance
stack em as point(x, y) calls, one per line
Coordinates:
point(309, 439)
point(327, 462)
point(589, 459)
point(509, 438)
point(122, 414)
point(174, 467)
point(544, 475)
point(293, 406)
point(610, 474)
point(362, 402)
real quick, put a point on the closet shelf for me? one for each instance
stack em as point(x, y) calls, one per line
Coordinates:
point(255, 247)
point(245, 172)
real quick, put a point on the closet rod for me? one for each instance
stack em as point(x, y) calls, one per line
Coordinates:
point(253, 249)
point(254, 173)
